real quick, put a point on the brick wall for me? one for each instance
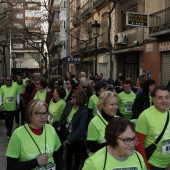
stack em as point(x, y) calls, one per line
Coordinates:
point(152, 60)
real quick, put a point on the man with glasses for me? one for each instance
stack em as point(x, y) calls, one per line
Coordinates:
point(126, 100)
point(9, 103)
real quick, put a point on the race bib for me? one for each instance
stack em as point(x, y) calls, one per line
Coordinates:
point(165, 147)
point(128, 109)
point(10, 99)
point(48, 166)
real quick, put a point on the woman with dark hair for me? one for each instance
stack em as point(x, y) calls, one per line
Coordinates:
point(143, 100)
point(107, 106)
point(36, 144)
point(74, 120)
point(70, 85)
point(57, 105)
point(41, 92)
point(120, 152)
point(52, 83)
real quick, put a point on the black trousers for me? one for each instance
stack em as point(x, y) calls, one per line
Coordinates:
point(9, 118)
point(17, 117)
point(77, 149)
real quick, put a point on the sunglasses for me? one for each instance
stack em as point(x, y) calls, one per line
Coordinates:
point(55, 83)
point(85, 87)
point(8, 80)
point(37, 84)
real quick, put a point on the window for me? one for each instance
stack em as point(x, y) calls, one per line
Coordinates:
point(33, 6)
point(19, 16)
point(56, 16)
point(18, 5)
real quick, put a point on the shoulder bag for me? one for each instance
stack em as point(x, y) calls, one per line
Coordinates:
point(151, 148)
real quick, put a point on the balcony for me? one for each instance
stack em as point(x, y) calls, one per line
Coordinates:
point(76, 18)
point(56, 8)
point(86, 9)
point(55, 27)
point(160, 23)
point(99, 3)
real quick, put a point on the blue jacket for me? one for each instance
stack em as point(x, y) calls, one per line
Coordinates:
point(79, 122)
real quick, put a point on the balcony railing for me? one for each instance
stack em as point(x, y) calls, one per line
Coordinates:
point(86, 9)
point(76, 17)
point(98, 3)
point(160, 21)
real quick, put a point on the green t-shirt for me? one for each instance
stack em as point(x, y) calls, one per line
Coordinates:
point(67, 93)
point(93, 104)
point(96, 129)
point(19, 87)
point(24, 81)
point(69, 120)
point(23, 147)
point(41, 95)
point(125, 103)
point(96, 162)
point(56, 109)
point(9, 97)
point(151, 123)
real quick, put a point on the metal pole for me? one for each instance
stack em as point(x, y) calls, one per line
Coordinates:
point(95, 65)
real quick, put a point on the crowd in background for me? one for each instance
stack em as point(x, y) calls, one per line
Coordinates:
point(90, 117)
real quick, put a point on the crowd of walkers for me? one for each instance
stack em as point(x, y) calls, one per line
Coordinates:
point(85, 122)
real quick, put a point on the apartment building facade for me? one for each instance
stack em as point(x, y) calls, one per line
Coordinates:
point(136, 50)
point(25, 36)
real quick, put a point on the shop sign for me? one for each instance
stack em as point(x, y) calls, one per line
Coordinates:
point(137, 19)
point(71, 59)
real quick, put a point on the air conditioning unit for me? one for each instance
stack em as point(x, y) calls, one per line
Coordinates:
point(120, 38)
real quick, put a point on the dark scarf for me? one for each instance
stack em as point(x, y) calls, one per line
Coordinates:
point(106, 116)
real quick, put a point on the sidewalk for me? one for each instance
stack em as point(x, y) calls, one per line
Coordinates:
point(3, 145)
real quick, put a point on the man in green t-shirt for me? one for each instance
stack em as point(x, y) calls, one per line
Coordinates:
point(126, 100)
point(9, 103)
point(150, 124)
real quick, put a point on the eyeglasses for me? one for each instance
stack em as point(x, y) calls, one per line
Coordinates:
point(85, 87)
point(127, 141)
point(8, 80)
point(39, 114)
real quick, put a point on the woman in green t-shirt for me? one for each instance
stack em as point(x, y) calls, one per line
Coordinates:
point(107, 106)
point(119, 154)
point(36, 144)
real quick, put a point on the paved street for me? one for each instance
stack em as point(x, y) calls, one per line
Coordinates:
point(3, 145)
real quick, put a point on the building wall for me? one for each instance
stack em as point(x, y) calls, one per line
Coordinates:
point(152, 60)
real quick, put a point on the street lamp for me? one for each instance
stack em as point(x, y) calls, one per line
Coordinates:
point(95, 30)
